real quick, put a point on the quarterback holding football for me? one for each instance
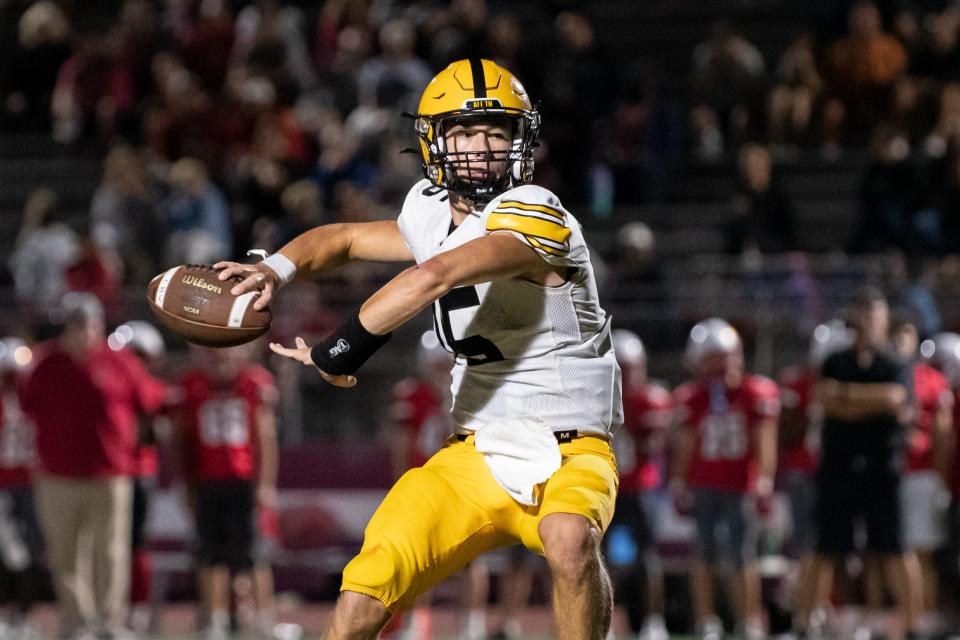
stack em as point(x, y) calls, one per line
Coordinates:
point(536, 387)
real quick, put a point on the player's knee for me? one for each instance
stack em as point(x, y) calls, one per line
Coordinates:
point(570, 544)
point(358, 616)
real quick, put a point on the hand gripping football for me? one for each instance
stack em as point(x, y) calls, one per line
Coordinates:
point(192, 302)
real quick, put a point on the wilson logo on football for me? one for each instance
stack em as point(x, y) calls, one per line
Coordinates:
point(342, 346)
point(201, 283)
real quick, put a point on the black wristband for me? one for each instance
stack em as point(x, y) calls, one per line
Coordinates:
point(347, 348)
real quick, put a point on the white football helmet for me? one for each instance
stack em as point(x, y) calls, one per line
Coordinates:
point(140, 336)
point(629, 348)
point(827, 339)
point(15, 355)
point(943, 352)
point(709, 337)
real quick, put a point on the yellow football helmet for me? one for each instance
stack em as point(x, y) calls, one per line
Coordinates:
point(478, 89)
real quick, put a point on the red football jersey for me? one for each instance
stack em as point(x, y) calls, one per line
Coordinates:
point(723, 422)
point(17, 448)
point(931, 393)
point(796, 394)
point(221, 422)
point(647, 413)
point(420, 412)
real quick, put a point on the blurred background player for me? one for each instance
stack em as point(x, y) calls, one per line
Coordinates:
point(226, 427)
point(85, 399)
point(943, 352)
point(924, 498)
point(798, 437)
point(143, 339)
point(631, 541)
point(20, 538)
point(726, 455)
point(866, 393)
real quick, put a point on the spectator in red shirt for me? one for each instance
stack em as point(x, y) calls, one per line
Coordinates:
point(226, 427)
point(726, 452)
point(85, 399)
point(923, 494)
point(20, 551)
point(648, 412)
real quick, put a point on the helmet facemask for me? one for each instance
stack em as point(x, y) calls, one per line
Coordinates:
point(478, 175)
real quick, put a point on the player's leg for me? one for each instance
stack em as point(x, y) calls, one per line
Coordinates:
point(837, 503)
point(623, 551)
point(28, 579)
point(654, 627)
point(924, 502)
point(432, 523)
point(110, 522)
point(577, 506)
point(882, 513)
point(801, 492)
point(140, 565)
point(213, 571)
point(741, 518)
point(707, 514)
point(582, 593)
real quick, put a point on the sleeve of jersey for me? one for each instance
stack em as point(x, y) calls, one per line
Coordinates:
point(543, 227)
point(406, 219)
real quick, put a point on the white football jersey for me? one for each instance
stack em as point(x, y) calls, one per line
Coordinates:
point(522, 350)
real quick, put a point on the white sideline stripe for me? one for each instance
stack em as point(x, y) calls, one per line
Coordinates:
point(162, 287)
point(239, 308)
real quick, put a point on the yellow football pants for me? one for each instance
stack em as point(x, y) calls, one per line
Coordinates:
point(439, 517)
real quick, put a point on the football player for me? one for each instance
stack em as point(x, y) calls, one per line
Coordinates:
point(20, 537)
point(536, 395)
point(648, 412)
point(723, 469)
point(229, 447)
point(797, 463)
point(923, 495)
point(147, 344)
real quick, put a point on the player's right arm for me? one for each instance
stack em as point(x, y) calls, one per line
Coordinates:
point(319, 250)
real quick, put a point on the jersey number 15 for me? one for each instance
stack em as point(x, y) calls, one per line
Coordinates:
point(476, 349)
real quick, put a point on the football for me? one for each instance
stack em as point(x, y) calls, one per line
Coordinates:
point(192, 302)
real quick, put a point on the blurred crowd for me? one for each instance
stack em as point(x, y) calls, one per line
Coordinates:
point(225, 126)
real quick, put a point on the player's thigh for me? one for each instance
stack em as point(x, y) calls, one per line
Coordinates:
point(707, 511)
point(429, 526)
point(585, 484)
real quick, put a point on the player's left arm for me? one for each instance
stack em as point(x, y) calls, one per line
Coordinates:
point(943, 437)
point(267, 455)
point(496, 256)
point(765, 454)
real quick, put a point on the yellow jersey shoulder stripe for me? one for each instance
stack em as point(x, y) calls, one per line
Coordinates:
point(529, 226)
point(542, 208)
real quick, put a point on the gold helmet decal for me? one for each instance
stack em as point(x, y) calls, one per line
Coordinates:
point(479, 89)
